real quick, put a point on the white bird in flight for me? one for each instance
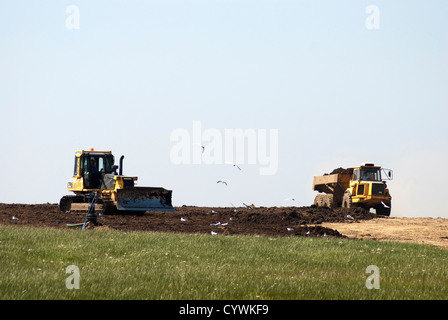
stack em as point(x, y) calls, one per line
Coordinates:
point(234, 164)
point(385, 206)
point(221, 182)
point(291, 199)
point(203, 148)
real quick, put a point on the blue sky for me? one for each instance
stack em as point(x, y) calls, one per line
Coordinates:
point(338, 94)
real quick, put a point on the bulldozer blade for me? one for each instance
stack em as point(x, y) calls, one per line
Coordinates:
point(144, 199)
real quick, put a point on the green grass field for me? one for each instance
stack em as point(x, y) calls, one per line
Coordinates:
point(142, 265)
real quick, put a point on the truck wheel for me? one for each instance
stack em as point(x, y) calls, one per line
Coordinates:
point(383, 211)
point(319, 200)
point(347, 201)
point(329, 201)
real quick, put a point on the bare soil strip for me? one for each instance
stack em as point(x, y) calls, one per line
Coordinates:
point(430, 231)
point(273, 221)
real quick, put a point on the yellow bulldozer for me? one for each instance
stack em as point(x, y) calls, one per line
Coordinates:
point(96, 172)
point(363, 186)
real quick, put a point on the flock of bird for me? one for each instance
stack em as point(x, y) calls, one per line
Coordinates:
point(225, 183)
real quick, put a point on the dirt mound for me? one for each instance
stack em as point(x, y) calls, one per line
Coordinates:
point(337, 170)
point(271, 221)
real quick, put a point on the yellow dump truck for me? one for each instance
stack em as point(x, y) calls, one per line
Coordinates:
point(96, 172)
point(364, 186)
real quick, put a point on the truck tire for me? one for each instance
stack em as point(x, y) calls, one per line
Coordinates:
point(383, 211)
point(329, 202)
point(347, 201)
point(319, 200)
point(324, 200)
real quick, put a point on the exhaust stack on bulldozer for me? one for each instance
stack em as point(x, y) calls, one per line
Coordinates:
point(95, 171)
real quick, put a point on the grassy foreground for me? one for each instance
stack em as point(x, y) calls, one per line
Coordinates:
point(141, 265)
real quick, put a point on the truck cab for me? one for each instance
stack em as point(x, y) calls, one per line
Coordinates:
point(368, 187)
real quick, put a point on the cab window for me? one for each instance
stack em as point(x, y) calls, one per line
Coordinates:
point(370, 175)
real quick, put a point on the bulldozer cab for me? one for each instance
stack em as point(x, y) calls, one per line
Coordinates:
point(96, 168)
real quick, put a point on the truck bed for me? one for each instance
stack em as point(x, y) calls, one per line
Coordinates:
point(327, 183)
point(327, 179)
